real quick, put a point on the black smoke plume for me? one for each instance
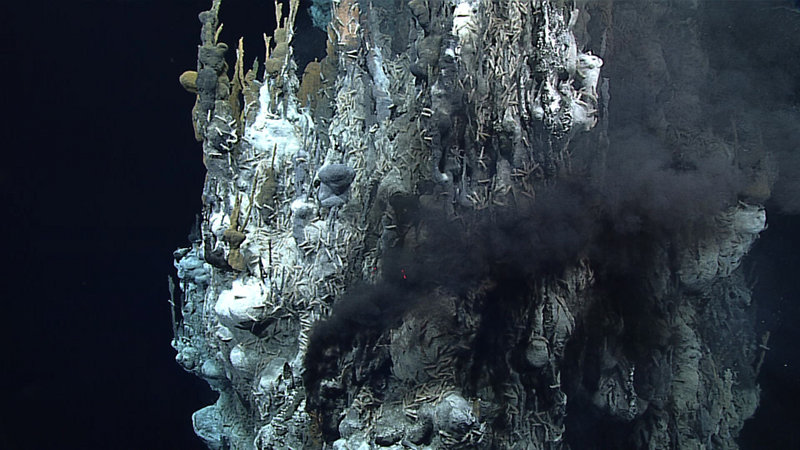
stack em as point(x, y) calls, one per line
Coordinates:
point(645, 189)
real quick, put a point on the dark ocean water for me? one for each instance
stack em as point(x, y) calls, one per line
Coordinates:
point(775, 263)
point(101, 178)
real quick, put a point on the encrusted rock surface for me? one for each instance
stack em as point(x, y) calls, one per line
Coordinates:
point(440, 251)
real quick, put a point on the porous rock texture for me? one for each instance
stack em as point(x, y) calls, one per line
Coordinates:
point(464, 241)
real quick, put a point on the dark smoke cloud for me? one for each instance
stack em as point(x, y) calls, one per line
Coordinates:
point(513, 243)
point(756, 54)
point(784, 137)
point(641, 196)
point(644, 189)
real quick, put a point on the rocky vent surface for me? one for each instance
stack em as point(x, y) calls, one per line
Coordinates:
point(474, 224)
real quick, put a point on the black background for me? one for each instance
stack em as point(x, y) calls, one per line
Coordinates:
point(100, 180)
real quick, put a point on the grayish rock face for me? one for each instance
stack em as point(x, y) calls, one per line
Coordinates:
point(461, 243)
point(207, 424)
point(334, 186)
